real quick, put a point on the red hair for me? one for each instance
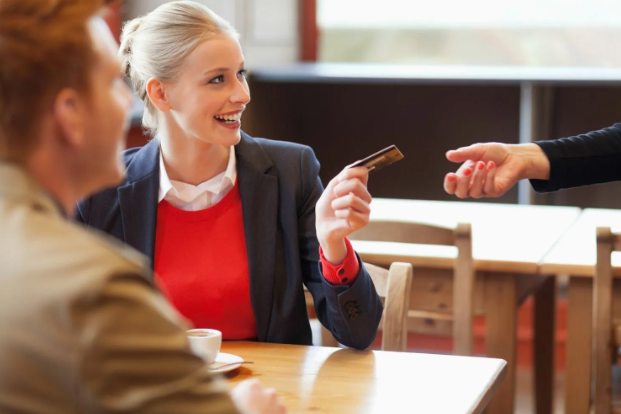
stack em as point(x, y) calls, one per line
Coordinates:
point(45, 46)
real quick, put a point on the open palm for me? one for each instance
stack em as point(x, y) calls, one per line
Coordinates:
point(487, 170)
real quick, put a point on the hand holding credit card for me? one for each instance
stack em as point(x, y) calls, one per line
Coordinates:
point(380, 159)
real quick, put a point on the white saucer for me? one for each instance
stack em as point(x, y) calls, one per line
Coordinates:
point(224, 359)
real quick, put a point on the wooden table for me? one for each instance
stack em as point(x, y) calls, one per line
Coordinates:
point(341, 381)
point(509, 242)
point(575, 255)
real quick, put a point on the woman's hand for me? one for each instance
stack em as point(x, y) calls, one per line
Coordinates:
point(342, 209)
point(251, 397)
point(490, 170)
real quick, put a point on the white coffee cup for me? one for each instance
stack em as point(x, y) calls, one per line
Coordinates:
point(205, 343)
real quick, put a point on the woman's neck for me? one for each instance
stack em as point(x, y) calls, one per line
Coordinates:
point(190, 160)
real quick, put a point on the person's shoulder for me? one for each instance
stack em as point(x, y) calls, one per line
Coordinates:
point(54, 253)
point(129, 154)
point(280, 146)
point(76, 247)
point(295, 165)
point(108, 196)
point(285, 152)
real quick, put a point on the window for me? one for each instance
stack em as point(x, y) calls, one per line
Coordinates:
point(474, 32)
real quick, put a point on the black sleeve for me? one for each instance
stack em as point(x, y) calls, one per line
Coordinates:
point(591, 158)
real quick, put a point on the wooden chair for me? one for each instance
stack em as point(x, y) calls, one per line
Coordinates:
point(463, 274)
point(393, 286)
point(604, 343)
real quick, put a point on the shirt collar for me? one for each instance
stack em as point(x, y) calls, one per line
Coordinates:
point(214, 185)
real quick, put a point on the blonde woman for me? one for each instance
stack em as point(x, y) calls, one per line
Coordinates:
point(234, 226)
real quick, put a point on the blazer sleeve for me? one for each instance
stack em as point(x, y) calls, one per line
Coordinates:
point(134, 356)
point(352, 313)
point(591, 158)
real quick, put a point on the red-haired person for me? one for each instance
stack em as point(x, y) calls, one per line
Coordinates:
point(81, 329)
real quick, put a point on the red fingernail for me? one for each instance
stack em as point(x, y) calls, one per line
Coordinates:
point(451, 178)
point(491, 165)
point(480, 165)
point(467, 172)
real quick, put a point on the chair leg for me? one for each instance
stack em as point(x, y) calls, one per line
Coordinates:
point(602, 323)
point(501, 316)
point(578, 356)
point(544, 344)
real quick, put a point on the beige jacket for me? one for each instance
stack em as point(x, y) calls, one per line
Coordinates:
point(81, 330)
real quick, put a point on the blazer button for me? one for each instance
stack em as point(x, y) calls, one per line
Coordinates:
point(350, 305)
point(353, 316)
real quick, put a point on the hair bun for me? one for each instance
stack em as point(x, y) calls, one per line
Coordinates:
point(127, 39)
point(129, 32)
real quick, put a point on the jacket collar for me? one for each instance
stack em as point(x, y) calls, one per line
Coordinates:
point(146, 161)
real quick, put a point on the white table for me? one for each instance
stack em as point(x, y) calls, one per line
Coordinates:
point(344, 381)
point(509, 242)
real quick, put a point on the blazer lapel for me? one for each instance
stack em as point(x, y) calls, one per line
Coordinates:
point(259, 195)
point(138, 200)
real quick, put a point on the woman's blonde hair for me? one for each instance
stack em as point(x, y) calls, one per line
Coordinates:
point(155, 46)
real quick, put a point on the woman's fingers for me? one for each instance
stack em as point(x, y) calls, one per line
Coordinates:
point(352, 219)
point(351, 201)
point(473, 152)
point(464, 177)
point(450, 183)
point(478, 179)
point(361, 173)
point(490, 185)
point(353, 186)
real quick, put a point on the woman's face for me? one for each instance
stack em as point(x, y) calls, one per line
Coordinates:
point(208, 98)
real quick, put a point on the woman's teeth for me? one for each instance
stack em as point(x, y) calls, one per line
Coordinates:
point(229, 119)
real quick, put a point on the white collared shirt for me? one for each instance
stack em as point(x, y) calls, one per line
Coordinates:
point(190, 197)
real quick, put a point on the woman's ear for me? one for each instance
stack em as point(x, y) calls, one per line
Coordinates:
point(157, 94)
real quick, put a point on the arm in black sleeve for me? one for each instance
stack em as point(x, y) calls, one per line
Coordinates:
point(591, 158)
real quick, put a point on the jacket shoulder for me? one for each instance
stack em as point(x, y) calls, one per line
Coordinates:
point(129, 154)
point(66, 251)
point(281, 148)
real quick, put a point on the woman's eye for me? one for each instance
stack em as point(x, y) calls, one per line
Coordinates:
point(219, 79)
point(242, 73)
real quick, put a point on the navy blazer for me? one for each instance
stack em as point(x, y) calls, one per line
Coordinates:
point(279, 186)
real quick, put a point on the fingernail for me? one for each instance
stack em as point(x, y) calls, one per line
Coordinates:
point(491, 165)
point(480, 165)
point(451, 178)
point(467, 172)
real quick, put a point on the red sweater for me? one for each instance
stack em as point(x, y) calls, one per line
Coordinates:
point(201, 264)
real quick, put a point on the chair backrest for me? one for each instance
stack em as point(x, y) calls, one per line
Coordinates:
point(463, 276)
point(607, 242)
point(394, 287)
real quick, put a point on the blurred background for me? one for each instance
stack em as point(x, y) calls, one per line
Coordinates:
point(349, 77)
point(578, 33)
point(477, 32)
